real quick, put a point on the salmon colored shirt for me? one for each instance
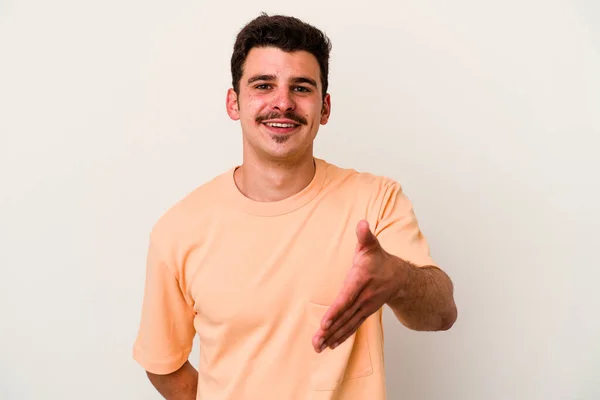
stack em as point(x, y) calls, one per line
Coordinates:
point(253, 280)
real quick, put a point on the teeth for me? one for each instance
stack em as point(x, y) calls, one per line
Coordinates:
point(278, 125)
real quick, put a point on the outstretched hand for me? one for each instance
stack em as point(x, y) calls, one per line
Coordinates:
point(373, 280)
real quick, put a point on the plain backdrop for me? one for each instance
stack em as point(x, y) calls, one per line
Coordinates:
point(487, 112)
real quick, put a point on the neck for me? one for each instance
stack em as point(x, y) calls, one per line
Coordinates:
point(270, 180)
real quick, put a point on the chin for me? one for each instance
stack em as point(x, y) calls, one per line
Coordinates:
point(279, 146)
point(281, 154)
point(281, 139)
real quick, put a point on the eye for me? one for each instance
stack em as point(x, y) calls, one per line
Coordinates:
point(262, 86)
point(302, 89)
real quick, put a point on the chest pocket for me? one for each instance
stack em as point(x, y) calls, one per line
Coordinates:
point(350, 360)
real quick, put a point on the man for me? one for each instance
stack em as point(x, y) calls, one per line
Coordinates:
point(282, 265)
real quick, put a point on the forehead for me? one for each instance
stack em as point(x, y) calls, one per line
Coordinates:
point(274, 61)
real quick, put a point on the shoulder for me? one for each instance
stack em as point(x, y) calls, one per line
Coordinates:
point(360, 182)
point(376, 195)
point(189, 212)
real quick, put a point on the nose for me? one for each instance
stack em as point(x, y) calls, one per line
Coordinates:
point(283, 100)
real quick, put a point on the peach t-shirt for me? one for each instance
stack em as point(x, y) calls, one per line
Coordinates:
point(253, 280)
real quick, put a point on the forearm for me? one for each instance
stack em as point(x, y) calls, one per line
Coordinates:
point(179, 385)
point(425, 300)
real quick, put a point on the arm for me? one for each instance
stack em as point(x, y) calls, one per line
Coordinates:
point(166, 332)
point(178, 385)
point(421, 297)
point(425, 300)
point(392, 266)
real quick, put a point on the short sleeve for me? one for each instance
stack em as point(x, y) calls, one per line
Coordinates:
point(397, 228)
point(166, 332)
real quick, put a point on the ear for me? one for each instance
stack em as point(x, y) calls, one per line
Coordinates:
point(326, 110)
point(233, 108)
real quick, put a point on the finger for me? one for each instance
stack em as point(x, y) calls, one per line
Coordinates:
point(343, 319)
point(348, 330)
point(348, 295)
point(318, 343)
point(340, 307)
point(366, 308)
point(365, 237)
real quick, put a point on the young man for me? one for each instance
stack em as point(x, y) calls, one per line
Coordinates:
point(282, 265)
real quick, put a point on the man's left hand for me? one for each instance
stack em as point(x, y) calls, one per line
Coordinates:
point(374, 279)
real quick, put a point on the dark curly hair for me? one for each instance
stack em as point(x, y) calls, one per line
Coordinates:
point(286, 33)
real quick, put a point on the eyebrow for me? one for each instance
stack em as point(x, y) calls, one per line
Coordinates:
point(304, 79)
point(256, 78)
point(296, 80)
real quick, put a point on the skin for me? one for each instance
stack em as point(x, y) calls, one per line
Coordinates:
point(420, 297)
point(178, 385)
point(278, 166)
point(277, 85)
point(275, 166)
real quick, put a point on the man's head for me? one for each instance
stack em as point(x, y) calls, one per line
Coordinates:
point(285, 33)
point(279, 69)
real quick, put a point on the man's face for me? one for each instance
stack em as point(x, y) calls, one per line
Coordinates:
point(280, 105)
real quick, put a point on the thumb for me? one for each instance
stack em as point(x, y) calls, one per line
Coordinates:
point(364, 235)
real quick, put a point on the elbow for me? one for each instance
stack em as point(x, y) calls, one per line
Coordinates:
point(448, 318)
point(441, 321)
point(438, 322)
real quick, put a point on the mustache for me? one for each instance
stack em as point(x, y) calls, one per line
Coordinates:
point(287, 115)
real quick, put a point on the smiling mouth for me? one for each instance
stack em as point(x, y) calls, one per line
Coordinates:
point(280, 125)
point(281, 128)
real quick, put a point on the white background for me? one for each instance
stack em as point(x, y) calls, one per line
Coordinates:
point(488, 113)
